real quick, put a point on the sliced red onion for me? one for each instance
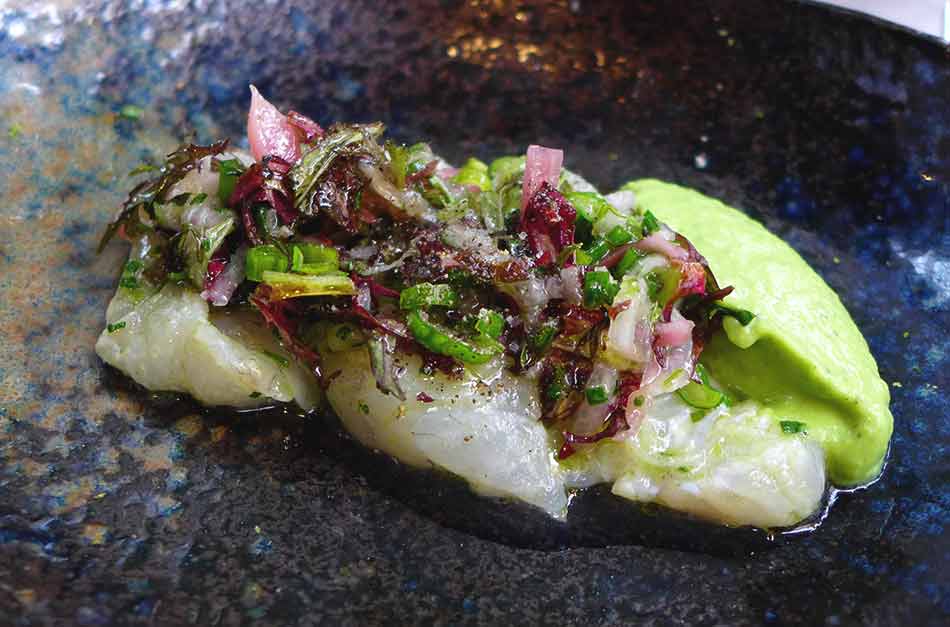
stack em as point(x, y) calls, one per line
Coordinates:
point(634, 417)
point(571, 285)
point(446, 172)
point(652, 371)
point(381, 349)
point(541, 165)
point(677, 361)
point(554, 287)
point(692, 281)
point(364, 297)
point(399, 203)
point(269, 132)
point(590, 418)
point(631, 333)
point(310, 129)
point(362, 253)
point(222, 287)
point(676, 332)
point(530, 295)
point(424, 173)
point(656, 243)
point(616, 424)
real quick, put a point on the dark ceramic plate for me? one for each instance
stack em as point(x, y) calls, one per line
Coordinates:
point(114, 509)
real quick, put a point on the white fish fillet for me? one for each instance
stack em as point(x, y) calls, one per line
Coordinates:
point(168, 343)
point(484, 428)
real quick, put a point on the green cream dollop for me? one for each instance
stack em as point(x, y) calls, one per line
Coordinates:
point(802, 356)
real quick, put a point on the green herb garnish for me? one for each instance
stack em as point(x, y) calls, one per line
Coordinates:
point(112, 328)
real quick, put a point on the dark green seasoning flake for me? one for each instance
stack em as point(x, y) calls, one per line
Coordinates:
point(596, 395)
point(129, 278)
point(112, 328)
point(540, 340)
point(793, 426)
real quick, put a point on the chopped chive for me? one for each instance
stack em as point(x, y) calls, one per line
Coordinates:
point(197, 199)
point(261, 258)
point(364, 407)
point(618, 236)
point(229, 170)
point(425, 295)
point(599, 289)
point(630, 259)
point(112, 328)
point(650, 223)
point(596, 251)
point(490, 323)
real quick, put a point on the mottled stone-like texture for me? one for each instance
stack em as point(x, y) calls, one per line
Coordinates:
point(114, 509)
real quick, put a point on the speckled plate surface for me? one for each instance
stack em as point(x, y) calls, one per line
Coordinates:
point(117, 510)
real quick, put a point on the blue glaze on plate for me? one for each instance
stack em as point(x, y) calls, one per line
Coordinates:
point(833, 130)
